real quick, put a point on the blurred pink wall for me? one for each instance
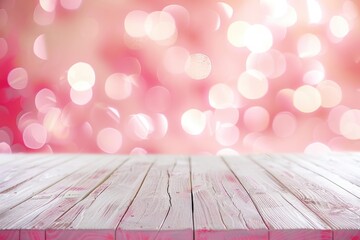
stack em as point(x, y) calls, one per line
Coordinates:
point(199, 77)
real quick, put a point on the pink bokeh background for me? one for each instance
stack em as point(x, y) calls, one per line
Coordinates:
point(199, 77)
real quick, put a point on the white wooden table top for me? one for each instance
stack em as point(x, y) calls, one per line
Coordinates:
point(163, 197)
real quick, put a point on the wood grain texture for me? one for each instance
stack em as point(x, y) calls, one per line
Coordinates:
point(337, 207)
point(285, 215)
point(222, 207)
point(159, 197)
point(339, 165)
point(28, 170)
point(102, 210)
point(162, 207)
point(25, 190)
point(41, 209)
point(308, 163)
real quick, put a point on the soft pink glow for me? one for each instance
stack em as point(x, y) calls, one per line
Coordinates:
point(214, 77)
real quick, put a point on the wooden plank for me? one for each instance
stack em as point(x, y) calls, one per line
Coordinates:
point(28, 170)
point(340, 166)
point(284, 214)
point(337, 207)
point(307, 162)
point(39, 210)
point(222, 207)
point(9, 157)
point(101, 211)
point(27, 189)
point(162, 207)
point(24, 212)
point(18, 161)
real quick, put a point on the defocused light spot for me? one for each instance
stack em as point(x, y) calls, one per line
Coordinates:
point(227, 134)
point(313, 77)
point(109, 140)
point(160, 26)
point(227, 152)
point(227, 9)
point(81, 76)
point(307, 99)
point(252, 84)
point(24, 119)
point(48, 5)
point(236, 33)
point(314, 11)
point(3, 47)
point(18, 78)
point(157, 99)
point(138, 151)
point(6, 135)
point(160, 126)
point(174, 59)
point(275, 8)
point(52, 119)
point(317, 148)
point(288, 19)
point(5, 148)
point(228, 115)
point(81, 97)
point(334, 118)
point(179, 13)
point(256, 119)
point(34, 136)
point(308, 46)
point(43, 17)
point(331, 94)
point(350, 124)
point(284, 124)
point(221, 96)
point(315, 72)
point(339, 27)
point(71, 4)
point(258, 38)
point(45, 99)
point(272, 63)
point(141, 125)
point(118, 86)
point(135, 23)
point(39, 47)
point(198, 66)
point(193, 121)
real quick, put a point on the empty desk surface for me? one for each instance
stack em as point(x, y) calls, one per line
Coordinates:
point(263, 196)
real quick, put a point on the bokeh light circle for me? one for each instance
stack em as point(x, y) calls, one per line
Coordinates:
point(236, 33)
point(258, 38)
point(34, 136)
point(198, 66)
point(18, 78)
point(109, 140)
point(118, 86)
point(81, 76)
point(221, 96)
point(193, 121)
point(306, 99)
point(350, 124)
point(252, 84)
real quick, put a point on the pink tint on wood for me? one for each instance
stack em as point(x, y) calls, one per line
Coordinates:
point(185, 234)
point(9, 234)
point(32, 234)
point(238, 234)
point(80, 234)
point(347, 234)
point(300, 234)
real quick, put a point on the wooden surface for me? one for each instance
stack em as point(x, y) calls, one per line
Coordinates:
point(114, 197)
